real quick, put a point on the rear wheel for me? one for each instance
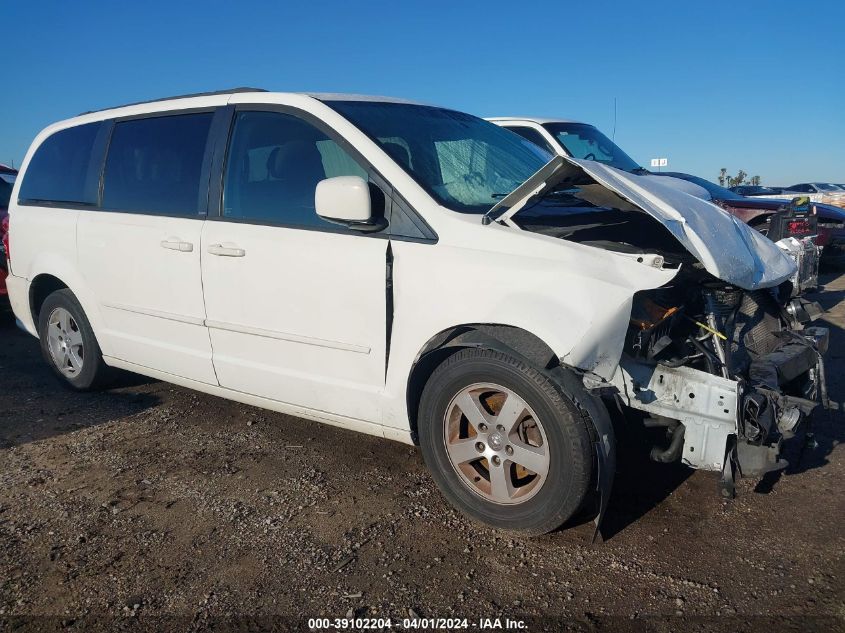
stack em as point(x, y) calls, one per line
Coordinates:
point(503, 442)
point(68, 343)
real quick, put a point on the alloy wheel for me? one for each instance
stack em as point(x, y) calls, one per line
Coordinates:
point(64, 339)
point(496, 443)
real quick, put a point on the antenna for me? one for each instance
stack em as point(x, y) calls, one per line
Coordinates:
point(613, 137)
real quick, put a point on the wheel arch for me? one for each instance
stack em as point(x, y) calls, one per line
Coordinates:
point(508, 339)
point(48, 280)
point(41, 287)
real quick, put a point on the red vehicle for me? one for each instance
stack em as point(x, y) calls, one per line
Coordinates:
point(7, 179)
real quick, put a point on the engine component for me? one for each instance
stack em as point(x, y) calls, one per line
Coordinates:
point(757, 417)
point(728, 373)
point(802, 310)
point(751, 320)
point(703, 403)
point(788, 419)
point(651, 327)
point(675, 431)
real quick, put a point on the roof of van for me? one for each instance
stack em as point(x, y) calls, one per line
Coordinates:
point(532, 119)
point(321, 96)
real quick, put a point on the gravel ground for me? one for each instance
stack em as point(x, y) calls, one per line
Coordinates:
point(151, 506)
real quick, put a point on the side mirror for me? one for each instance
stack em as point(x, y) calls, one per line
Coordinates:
point(346, 200)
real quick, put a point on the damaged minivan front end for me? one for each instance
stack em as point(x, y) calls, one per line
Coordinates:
point(721, 356)
point(727, 371)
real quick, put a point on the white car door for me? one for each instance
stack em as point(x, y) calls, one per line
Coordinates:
point(140, 254)
point(295, 304)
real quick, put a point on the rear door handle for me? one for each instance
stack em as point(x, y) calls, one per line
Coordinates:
point(226, 251)
point(175, 244)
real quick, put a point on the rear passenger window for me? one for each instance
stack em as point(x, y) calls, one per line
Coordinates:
point(64, 168)
point(275, 162)
point(154, 165)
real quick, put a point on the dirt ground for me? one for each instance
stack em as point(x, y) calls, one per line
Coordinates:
point(151, 506)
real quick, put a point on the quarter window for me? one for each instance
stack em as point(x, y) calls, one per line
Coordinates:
point(64, 168)
point(154, 165)
point(275, 162)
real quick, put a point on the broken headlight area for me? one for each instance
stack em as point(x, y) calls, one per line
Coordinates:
point(730, 373)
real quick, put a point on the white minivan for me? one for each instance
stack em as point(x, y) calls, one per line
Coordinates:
point(415, 273)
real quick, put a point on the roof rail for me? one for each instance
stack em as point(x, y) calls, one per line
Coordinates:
point(187, 96)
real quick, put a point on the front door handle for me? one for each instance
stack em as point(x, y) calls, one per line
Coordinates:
point(226, 251)
point(175, 244)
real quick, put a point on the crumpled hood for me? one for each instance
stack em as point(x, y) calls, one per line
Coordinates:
point(681, 185)
point(729, 249)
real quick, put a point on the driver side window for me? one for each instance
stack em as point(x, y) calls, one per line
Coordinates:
point(274, 163)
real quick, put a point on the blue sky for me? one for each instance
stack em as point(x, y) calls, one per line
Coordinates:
point(757, 85)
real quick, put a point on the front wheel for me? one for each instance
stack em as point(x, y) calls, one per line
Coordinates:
point(504, 443)
point(68, 343)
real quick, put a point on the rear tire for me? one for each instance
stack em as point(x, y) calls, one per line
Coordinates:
point(68, 343)
point(504, 443)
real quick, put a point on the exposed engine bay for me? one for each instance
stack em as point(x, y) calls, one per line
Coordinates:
point(761, 346)
point(730, 372)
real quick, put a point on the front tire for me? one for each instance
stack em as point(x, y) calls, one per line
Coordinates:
point(68, 343)
point(504, 443)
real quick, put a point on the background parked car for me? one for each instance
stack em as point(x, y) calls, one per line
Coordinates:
point(582, 140)
point(755, 190)
point(7, 179)
point(759, 213)
point(817, 191)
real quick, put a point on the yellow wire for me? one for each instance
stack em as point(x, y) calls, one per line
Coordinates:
point(710, 329)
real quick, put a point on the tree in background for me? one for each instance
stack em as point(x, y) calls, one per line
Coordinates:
point(726, 180)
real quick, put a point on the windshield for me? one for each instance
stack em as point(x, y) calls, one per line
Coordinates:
point(465, 163)
point(6, 182)
point(585, 141)
point(716, 192)
point(826, 187)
